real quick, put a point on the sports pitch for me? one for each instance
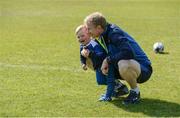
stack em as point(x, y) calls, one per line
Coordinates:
point(40, 73)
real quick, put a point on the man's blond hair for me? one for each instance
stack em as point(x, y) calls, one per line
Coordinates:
point(96, 19)
point(79, 28)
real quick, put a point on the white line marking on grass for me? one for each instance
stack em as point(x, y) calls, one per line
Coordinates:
point(39, 67)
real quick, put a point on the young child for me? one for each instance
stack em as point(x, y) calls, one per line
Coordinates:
point(96, 54)
point(92, 55)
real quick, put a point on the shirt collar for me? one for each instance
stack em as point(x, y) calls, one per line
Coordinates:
point(105, 31)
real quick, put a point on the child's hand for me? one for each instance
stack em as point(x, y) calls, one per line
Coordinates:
point(85, 53)
point(84, 67)
point(89, 63)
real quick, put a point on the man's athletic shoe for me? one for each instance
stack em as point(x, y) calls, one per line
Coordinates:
point(120, 90)
point(132, 98)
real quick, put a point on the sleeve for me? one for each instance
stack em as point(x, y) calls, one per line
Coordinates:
point(110, 81)
point(82, 58)
point(97, 55)
point(123, 48)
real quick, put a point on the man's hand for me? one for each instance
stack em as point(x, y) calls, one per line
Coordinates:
point(104, 67)
point(85, 53)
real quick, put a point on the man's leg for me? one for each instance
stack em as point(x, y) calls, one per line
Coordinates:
point(120, 89)
point(130, 70)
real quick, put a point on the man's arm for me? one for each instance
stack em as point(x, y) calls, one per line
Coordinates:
point(98, 55)
point(124, 49)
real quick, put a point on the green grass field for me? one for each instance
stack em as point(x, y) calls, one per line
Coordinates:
point(40, 73)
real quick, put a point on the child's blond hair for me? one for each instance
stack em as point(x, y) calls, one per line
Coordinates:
point(79, 28)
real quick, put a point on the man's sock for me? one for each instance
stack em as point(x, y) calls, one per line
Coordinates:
point(136, 90)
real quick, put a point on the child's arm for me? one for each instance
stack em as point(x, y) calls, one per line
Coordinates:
point(83, 60)
point(88, 62)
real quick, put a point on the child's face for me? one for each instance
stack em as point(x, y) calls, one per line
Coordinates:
point(94, 31)
point(83, 36)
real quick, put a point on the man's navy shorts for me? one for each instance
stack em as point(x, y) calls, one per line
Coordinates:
point(146, 72)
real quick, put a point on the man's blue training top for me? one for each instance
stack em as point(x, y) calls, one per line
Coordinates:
point(125, 46)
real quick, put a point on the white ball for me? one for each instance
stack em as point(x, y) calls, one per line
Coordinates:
point(158, 47)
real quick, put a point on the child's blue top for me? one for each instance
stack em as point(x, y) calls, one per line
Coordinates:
point(97, 54)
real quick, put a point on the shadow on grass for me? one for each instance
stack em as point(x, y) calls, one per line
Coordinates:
point(151, 107)
point(165, 53)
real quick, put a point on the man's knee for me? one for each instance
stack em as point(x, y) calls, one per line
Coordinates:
point(129, 67)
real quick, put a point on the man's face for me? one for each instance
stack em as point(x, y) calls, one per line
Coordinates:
point(93, 31)
point(83, 36)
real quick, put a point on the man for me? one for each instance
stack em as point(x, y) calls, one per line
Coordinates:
point(125, 55)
